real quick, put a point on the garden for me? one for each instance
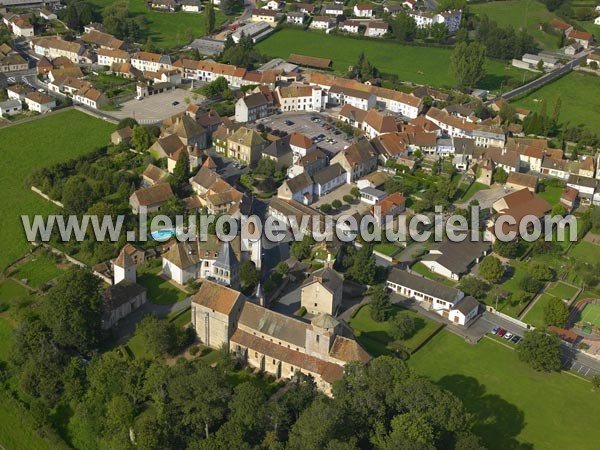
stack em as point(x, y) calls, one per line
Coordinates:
point(376, 337)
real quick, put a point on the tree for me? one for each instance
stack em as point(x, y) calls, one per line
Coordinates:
point(540, 350)
point(540, 272)
point(127, 122)
point(77, 195)
point(249, 275)
point(326, 208)
point(73, 310)
point(595, 382)
point(559, 210)
point(181, 173)
point(209, 18)
point(141, 138)
point(500, 176)
point(467, 64)
point(556, 312)
point(157, 335)
point(348, 198)
point(403, 326)
point(380, 304)
point(282, 268)
point(474, 287)
point(301, 250)
point(491, 269)
point(266, 167)
point(507, 112)
point(508, 249)
point(364, 266)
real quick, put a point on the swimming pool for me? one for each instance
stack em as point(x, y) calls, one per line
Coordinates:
point(163, 235)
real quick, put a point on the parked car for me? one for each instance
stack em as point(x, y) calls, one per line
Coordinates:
point(495, 330)
point(175, 103)
point(508, 336)
point(337, 132)
point(516, 339)
point(289, 123)
point(501, 332)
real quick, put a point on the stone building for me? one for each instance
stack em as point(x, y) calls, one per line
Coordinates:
point(322, 292)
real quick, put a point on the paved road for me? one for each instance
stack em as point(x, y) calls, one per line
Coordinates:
point(549, 76)
point(249, 6)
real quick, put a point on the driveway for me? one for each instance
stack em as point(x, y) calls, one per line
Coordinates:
point(155, 108)
point(487, 197)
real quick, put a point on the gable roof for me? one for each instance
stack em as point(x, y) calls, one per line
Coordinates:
point(274, 324)
point(422, 284)
point(327, 277)
point(217, 297)
point(328, 173)
point(312, 61)
point(156, 194)
point(299, 182)
point(458, 256)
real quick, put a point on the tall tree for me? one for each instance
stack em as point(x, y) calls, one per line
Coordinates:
point(73, 309)
point(540, 350)
point(210, 18)
point(556, 312)
point(467, 64)
point(491, 269)
point(181, 173)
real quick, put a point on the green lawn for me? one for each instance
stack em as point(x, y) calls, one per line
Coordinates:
point(422, 269)
point(40, 269)
point(375, 337)
point(586, 252)
point(575, 90)
point(535, 316)
point(169, 30)
point(551, 194)
point(41, 142)
point(11, 290)
point(266, 383)
point(473, 189)
point(562, 290)
point(423, 65)
point(387, 249)
point(160, 290)
point(527, 14)
point(513, 406)
point(5, 337)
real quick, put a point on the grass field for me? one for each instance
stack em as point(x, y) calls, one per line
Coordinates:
point(423, 65)
point(160, 290)
point(521, 14)
point(591, 314)
point(38, 270)
point(25, 147)
point(473, 189)
point(535, 316)
point(387, 249)
point(422, 269)
point(575, 90)
point(551, 194)
point(169, 30)
point(514, 407)
point(375, 336)
point(562, 290)
point(585, 251)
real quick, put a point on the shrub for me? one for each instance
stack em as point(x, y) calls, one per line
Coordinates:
point(336, 203)
point(301, 312)
point(194, 350)
point(326, 208)
point(348, 198)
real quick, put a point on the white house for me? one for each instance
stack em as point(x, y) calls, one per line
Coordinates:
point(329, 178)
point(295, 18)
point(363, 10)
point(108, 57)
point(191, 6)
point(10, 108)
point(454, 259)
point(349, 26)
point(21, 27)
point(334, 10)
point(275, 5)
point(437, 297)
point(39, 102)
point(299, 97)
point(151, 62)
point(322, 22)
point(371, 195)
point(376, 29)
point(359, 99)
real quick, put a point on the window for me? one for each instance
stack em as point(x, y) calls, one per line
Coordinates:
point(317, 338)
point(256, 354)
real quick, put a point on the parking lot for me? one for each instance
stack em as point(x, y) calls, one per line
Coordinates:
point(155, 108)
point(301, 122)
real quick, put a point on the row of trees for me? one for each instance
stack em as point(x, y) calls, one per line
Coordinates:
point(503, 42)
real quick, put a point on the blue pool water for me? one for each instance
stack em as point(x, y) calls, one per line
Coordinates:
point(163, 235)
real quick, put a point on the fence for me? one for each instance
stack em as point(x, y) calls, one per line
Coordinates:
point(40, 193)
point(492, 310)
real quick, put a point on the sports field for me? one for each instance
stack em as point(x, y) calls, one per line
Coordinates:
point(575, 91)
point(591, 314)
point(513, 406)
point(423, 65)
point(520, 14)
point(25, 147)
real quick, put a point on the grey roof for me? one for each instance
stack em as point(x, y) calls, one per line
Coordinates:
point(328, 173)
point(326, 321)
point(278, 148)
point(421, 284)
point(578, 180)
point(466, 305)
point(10, 103)
point(273, 324)
point(120, 293)
point(226, 259)
point(463, 146)
point(299, 182)
point(458, 256)
point(329, 278)
point(254, 100)
point(373, 192)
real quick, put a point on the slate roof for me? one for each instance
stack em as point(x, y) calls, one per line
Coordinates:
point(458, 256)
point(274, 324)
point(300, 182)
point(328, 173)
point(227, 258)
point(329, 278)
point(421, 284)
point(120, 293)
point(466, 305)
